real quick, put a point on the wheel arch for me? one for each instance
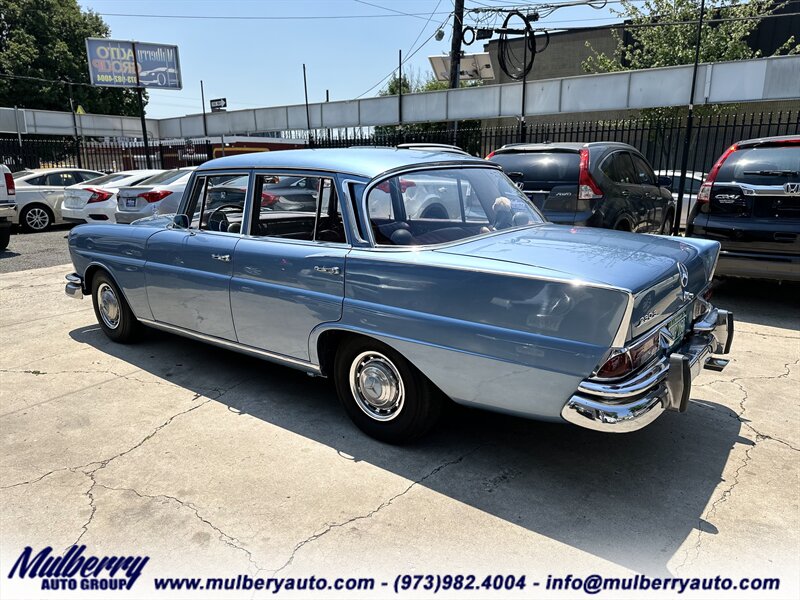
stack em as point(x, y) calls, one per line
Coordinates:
point(92, 270)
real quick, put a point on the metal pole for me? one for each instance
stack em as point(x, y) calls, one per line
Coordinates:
point(400, 90)
point(328, 99)
point(455, 53)
point(203, 100)
point(308, 114)
point(140, 90)
point(75, 126)
point(522, 131)
point(16, 123)
point(689, 123)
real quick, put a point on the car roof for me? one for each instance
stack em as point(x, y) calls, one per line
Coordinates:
point(52, 169)
point(768, 140)
point(366, 162)
point(568, 146)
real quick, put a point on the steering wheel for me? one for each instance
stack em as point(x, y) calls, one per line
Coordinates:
point(218, 220)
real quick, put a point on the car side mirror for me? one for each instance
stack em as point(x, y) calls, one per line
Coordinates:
point(664, 181)
point(180, 221)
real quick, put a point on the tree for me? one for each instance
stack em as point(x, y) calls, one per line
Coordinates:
point(45, 39)
point(646, 46)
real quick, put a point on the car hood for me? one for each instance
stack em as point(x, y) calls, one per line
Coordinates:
point(645, 265)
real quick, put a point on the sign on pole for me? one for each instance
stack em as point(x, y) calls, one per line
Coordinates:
point(218, 104)
point(121, 63)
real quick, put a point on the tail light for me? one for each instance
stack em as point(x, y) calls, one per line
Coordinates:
point(704, 193)
point(12, 190)
point(155, 195)
point(98, 195)
point(587, 186)
point(630, 359)
point(490, 155)
point(404, 185)
point(616, 366)
point(268, 199)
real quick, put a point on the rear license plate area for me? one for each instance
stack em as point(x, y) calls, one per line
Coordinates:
point(130, 202)
point(677, 328)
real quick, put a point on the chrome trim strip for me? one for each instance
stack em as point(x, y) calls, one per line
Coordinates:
point(229, 345)
point(625, 325)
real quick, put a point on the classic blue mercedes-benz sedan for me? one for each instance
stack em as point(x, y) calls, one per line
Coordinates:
point(410, 276)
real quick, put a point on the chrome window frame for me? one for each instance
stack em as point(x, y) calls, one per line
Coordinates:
point(192, 187)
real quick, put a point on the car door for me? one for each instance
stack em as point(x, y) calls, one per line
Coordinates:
point(53, 189)
point(188, 271)
point(624, 194)
point(653, 200)
point(289, 270)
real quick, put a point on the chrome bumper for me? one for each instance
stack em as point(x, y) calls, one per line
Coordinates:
point(74, 287)
point(665, 385)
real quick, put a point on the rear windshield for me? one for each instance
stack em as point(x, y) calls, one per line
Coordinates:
point(541, 166)
point(166, 177)
point(19, 174)
point(770, 165)
point(107, 178)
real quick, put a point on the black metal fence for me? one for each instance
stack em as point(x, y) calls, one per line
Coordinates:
point(660, 140)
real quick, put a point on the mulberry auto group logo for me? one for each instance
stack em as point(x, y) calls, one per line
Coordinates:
point(74, 570)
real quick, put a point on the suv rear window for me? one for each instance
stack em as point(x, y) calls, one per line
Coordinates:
point(541, 166)
point(766, 165)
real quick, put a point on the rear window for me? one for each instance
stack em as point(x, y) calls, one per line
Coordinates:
point(166, 177)
point(19, 174)
point(541, 166)
point(107, 178)
point(770, 165)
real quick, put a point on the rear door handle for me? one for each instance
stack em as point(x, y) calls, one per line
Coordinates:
point(329, 270)
point(222, 257)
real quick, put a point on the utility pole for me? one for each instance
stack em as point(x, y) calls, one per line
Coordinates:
point(689, 123)
point(139, 92)
point(400, 91)
point(455, 52)
point(308, 113)
point(203, 101)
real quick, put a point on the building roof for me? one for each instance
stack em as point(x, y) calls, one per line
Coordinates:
point(365, 162)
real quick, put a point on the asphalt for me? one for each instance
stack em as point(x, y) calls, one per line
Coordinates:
point(214, 463)
point(35, 250)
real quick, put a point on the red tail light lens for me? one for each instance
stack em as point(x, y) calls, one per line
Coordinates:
point(587, 186)
point(490, 155)
point(404, 185)
point(12, 190)
point(98, 195)
point(155, 195)
point(616, 366)
point(268, 199)
point(704, 194)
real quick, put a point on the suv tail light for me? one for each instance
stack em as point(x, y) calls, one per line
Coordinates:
point(704, 193)
point(155, 195)
point(490, 155)
point(98, 195)
point(268, 199)
point(587, 186)
point(12, 190)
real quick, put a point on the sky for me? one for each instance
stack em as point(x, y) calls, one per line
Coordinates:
point(256, 59)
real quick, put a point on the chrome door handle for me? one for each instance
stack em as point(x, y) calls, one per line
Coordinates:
point(329, 270)
point(222, 257)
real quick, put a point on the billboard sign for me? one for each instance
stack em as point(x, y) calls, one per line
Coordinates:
point(120, 63)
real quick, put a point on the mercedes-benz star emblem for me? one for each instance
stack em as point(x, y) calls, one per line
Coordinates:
point(683, 272)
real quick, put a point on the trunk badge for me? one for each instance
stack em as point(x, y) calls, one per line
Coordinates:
point(793, 189)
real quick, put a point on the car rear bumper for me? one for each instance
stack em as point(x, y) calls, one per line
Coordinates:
point(755, 265)
point(127, 217)
point(636, 402)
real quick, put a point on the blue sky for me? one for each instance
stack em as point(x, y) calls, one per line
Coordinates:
point(258, 62)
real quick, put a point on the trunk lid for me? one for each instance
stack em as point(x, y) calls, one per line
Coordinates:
point(645, 265)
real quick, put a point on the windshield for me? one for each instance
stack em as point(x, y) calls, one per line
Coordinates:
point(166, 177)
point(437, 206)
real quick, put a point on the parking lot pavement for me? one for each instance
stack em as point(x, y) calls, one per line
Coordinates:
point(35, 250)
point(199, 457)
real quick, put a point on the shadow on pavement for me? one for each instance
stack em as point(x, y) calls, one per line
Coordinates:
point(632, 499)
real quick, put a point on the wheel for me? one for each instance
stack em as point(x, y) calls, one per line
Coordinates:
point(5, 235)
point(666, 226)
point(112, 311)
point(623, 225)
point(434, 211)
point(35, 217)
point(384, 395)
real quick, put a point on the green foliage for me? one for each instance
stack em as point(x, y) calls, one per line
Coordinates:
point(669, 45)
point(46, 39)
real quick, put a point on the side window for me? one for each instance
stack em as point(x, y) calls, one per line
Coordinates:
point(217, 203)
point(619, 168)
point(85, 175)
point(61, 179)
point(40, 180)
point(297, 207)
point(644, 174)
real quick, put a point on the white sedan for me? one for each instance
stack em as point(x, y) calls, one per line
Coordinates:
point(40, 193)
point(694, 179)
point(96, 201)
point(160, 194)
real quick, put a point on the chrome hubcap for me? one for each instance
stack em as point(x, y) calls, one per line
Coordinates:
point(37, 218)
point(377, 386)
point(109, 305)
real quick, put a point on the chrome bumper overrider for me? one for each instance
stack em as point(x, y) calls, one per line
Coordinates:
point(633, 403)
point(74, 287)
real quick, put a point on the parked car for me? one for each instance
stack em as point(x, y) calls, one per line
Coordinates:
point(599, 184)
point(96, 200)
point(8, 205)
point(750, 203)
point(692, 183)
point(159, 194)
point(603, 329)
point(40, 193)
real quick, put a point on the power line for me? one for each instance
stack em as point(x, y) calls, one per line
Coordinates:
point(399, 12)
point(266, 18)
point(424, 27)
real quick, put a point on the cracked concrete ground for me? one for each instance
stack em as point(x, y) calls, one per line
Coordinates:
point(217, 464)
